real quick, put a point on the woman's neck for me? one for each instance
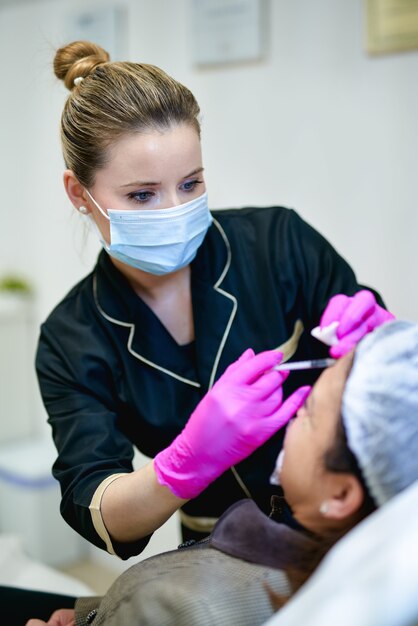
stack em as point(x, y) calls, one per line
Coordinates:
point(168, 296)
point(147, 283)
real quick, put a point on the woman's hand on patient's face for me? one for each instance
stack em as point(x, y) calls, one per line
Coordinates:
point(62, 617)
point(242, 410)
point(356, 316)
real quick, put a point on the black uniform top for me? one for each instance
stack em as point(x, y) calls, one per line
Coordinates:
point(112, 377)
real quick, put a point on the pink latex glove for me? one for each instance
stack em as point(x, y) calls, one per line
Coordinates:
point(243, 409)
point(357, 315)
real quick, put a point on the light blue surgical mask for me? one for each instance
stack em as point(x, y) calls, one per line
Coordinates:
point(159, 241)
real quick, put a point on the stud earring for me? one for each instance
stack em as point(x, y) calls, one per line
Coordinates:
point(323, 509)
point(84, 210)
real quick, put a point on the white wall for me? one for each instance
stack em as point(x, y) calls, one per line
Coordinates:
point(318, 125)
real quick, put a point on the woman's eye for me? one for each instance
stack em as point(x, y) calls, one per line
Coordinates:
point(140, 196)
point(191, 185)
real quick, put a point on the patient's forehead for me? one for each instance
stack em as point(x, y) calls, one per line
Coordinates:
point(339, 371)
point(329, 389)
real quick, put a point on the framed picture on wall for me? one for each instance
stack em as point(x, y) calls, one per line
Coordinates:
point(392, 25)
point(228, 31)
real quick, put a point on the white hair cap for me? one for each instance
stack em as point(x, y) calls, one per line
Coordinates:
point(380, 409)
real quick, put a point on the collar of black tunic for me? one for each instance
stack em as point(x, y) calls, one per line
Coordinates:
point(213, 308)
point(207, 268)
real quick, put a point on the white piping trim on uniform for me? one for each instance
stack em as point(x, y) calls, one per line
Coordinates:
point(227, 295)
point(130, 338)
point(131, 326)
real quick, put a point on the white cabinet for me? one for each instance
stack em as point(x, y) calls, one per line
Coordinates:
point(18, 387)
point(33, 498)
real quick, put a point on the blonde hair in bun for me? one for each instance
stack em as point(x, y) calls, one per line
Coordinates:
point(78, 60)
point(108, 100)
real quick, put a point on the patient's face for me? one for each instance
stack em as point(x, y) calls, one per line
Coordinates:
point(309, 435)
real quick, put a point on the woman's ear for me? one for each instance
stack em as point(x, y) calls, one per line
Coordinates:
point(346, 498)
point(75, 192)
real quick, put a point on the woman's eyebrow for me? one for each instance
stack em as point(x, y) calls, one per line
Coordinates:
point(140, 183)
point(149, 183)
point(198, 170)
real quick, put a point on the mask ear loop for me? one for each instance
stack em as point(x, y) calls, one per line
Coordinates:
point(98, 205)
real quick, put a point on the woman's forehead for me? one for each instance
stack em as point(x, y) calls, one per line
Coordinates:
point(153, 154)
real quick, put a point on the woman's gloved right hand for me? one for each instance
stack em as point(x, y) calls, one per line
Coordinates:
point(353, 317)
point(243, 409)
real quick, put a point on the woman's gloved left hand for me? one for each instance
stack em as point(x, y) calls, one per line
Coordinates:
point(243, 409)
point(354, 317)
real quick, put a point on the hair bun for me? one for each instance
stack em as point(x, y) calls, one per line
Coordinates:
point(77, 60)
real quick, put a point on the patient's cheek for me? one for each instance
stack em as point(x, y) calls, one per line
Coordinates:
point(275, 477)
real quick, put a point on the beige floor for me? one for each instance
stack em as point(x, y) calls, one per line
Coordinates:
point(97, 577)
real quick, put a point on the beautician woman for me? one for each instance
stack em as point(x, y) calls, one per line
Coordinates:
point(130, 356)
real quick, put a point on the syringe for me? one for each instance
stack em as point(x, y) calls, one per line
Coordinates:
point(304, 365)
